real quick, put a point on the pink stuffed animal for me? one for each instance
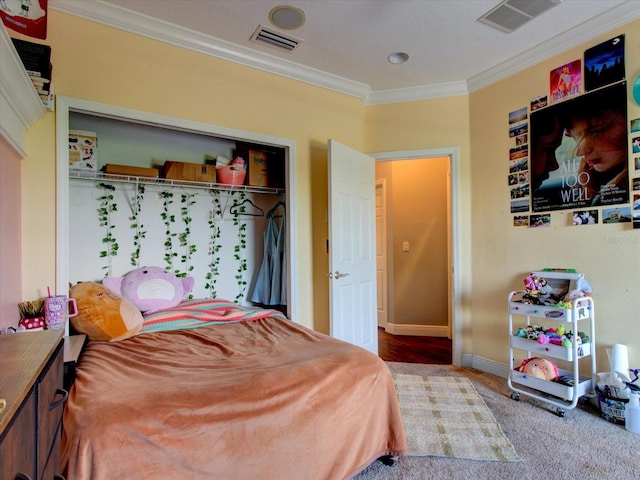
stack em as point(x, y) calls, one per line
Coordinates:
point(540, 368)
point(151, 288)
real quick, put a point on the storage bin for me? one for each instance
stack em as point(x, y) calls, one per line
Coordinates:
point(190, 172)
point(231, 175)
point(113, 169)
point(611, 408)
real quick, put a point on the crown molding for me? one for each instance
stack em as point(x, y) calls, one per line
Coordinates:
point(609, 20)
point(123, 19)
point(422, 92)
point(20, 105)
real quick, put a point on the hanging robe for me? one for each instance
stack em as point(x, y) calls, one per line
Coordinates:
point(271, 284)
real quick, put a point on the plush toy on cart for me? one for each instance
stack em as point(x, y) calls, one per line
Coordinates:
point(536, 290)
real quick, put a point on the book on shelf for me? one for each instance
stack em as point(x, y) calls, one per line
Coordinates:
point(36, 59)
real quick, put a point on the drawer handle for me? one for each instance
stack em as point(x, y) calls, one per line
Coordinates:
point(57, 403)
point(22, 476)
point(59, 476)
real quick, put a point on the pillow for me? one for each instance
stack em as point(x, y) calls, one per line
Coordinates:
point(151, 288)
point(103, 314)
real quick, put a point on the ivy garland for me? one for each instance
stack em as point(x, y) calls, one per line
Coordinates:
point(215, 227)
point(107, 207)
point(238, 251)
point(136, 225)
point(168, 219)
point(185, 241)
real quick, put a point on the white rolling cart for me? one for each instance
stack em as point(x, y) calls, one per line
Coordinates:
point(580, 317)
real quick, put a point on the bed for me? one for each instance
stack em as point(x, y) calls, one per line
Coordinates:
point(231, 393)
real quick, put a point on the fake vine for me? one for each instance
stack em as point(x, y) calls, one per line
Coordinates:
point(139, 233)
point(185, 237)
point(238, 251)
point(107, 207)
point(167, 220)
point(215, 229)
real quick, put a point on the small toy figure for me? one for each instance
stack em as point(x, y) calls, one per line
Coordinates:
point(536, 290)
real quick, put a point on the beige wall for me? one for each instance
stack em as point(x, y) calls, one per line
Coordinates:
point(608, 255)
point(417, 213)
point(10, 239)
point(106, 65)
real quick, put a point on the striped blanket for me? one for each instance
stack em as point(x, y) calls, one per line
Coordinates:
point(199, 313)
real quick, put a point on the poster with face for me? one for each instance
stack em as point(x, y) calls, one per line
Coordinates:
point(579, 153)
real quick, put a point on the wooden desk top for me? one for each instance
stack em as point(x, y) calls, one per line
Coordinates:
point(22, 358)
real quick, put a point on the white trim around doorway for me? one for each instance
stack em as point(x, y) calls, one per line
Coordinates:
point(456, 296)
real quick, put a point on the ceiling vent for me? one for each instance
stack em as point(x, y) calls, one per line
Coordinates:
point(275, 39)
point(512, 14)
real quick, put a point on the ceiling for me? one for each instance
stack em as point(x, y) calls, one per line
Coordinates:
point(345, 43)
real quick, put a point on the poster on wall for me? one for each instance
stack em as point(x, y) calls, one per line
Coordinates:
point(579, 152)
point(565, 81)
point(604, 64)
point(28, 17)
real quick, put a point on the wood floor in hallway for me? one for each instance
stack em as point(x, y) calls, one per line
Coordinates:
point(414, 349)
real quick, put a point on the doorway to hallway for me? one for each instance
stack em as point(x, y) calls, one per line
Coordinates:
point(416, 262)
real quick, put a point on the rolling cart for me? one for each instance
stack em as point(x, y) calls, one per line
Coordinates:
point(570, 387)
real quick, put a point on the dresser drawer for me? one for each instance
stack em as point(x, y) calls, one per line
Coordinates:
point(17, 445)
point(51, 398)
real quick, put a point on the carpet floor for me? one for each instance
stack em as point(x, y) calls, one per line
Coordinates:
point(581, 445)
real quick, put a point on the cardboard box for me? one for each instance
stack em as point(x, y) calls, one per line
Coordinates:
point(190, 172)
point(110, 168)
point(83, 150)
point(264, 168)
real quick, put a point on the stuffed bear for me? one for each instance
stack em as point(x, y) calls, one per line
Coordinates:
point(151, 288)
point(103, 314)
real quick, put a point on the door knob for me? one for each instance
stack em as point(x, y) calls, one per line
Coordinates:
point(339, 275)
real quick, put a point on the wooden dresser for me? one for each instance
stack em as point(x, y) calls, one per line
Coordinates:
point(31, 380)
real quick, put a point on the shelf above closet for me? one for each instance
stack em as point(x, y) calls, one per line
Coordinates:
point(99, 176)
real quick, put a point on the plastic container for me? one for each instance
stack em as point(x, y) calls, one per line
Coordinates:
point(632, 414)
point(612, 409)
point(231, 174)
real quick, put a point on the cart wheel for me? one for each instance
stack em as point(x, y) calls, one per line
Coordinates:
point(560, 412)
point(515, 396)
point(388, 460)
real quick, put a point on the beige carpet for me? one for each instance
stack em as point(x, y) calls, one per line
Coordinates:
point(579, 446)
point(445, 417)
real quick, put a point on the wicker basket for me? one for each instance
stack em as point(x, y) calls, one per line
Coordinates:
point(231, 175)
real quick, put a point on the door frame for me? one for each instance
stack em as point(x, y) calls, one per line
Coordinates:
point(383, 283)
point(455, 297)
point(64, 105)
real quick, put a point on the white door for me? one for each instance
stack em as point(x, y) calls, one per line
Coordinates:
point(352, 247)
point(381, 253)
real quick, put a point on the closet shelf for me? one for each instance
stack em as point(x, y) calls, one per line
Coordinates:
point(110, 177)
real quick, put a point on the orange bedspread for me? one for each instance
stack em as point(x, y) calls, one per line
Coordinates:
point(259, 400)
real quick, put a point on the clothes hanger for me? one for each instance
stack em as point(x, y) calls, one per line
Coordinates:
point(279, 203)
point(239, 209)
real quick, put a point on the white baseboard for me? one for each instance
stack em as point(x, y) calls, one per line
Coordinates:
point(417, 330)
point(485, 365)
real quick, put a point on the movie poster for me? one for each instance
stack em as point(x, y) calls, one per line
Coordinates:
point(28, 17)
point(579, 152)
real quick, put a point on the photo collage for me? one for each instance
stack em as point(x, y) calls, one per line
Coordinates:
point(573, 147)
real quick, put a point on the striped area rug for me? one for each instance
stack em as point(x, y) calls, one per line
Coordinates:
point(446, 417)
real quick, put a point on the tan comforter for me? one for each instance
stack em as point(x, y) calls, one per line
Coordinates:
point(259, 400)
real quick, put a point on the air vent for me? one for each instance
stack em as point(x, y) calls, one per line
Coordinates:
point(512, 14)
point(275, 39)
